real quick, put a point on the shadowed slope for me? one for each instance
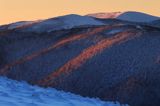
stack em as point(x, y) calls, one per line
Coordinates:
point(127, 72)
point(87, 54)
point(54, 46)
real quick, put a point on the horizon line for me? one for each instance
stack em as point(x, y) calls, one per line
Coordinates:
point(74, 14)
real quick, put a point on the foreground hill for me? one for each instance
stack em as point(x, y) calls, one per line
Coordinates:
point(15, 93)
point(117, 61)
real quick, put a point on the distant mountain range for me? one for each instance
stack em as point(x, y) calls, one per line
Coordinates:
point(73, 20)
point(127, 16)
point(111, 58)
point(53, 24)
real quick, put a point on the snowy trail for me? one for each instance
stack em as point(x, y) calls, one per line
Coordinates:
point(14, 93)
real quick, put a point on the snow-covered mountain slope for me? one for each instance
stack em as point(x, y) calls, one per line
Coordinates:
point(137, 17)
point(52, 24)
point(14, 93)
point(63, 22)
point(155, 23)
point(17, 25)
point(105, 15)
point(21, 24)
point(126, 16)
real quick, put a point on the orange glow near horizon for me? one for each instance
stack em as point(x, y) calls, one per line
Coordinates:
point(20, 10)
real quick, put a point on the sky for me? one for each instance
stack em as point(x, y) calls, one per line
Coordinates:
point(20, 10)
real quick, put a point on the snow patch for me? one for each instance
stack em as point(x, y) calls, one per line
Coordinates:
point(105, 15)
point(14, 93)
point(114, 31)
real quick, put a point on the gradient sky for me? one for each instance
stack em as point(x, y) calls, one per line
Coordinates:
point(17, 10)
